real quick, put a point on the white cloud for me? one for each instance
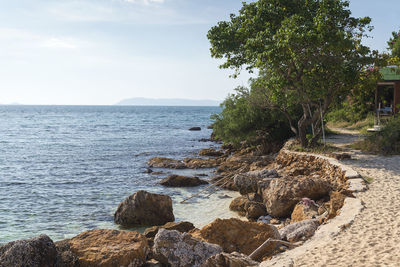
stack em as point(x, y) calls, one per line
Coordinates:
point(58, 43)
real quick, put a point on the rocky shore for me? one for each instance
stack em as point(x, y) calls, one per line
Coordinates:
point(285, 198)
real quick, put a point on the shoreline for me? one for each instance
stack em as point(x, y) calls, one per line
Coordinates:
point(333, 226)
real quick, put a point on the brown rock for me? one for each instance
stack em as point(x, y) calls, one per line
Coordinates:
point(65, 257)
point(284, 193)
point(143, 208)
point(274, 221)
point(304, 212)
point(255, 210)
point(35, 252)
point(210, 152)
point(230, 260)
point(238, 204)
point(237, 235)
point(197, 163)
point(335, 204)
point(179, 226)
point(109, 248)
point(182, 181)
point(162, 162)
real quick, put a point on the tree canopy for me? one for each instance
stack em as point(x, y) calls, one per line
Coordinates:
point(306, 52)
point(394, 44)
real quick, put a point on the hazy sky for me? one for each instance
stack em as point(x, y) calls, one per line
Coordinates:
point(102, 51)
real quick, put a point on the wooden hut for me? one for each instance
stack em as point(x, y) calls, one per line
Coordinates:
point(387, 94)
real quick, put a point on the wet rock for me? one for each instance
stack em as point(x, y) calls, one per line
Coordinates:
point(230, 260)
point(182, 227)
point(144, 208)
point(162, 162)
point(237, 235)
point(109, 248)
point(210, 152)
point(197, 163)
point(303, 212)
point(282, 194)
point(65, 257)
point(148, 170)
point(35, 252)
point(181, 249)
point(195, 129)
point(299, 230)
point(182, 181)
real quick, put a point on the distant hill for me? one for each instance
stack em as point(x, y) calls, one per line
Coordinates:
point(140, 101)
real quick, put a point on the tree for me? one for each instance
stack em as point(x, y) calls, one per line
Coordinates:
point(394, 44)
point(306, 51)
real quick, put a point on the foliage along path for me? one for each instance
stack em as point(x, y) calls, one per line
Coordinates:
point(374, 237)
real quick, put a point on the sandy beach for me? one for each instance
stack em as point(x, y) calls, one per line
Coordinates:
point(374, 236)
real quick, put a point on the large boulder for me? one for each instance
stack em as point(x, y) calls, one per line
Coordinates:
point(182, 227)
point(65, 257)
point(182, 181)
point(237, 235)
point(144, 208)
point(36, 252)
point(181, 249)
point(234, 259)
point(162, 162)
point(282, 194)
point(303, 212)
point(210, 152)
point(108, 248)
point(299, 230)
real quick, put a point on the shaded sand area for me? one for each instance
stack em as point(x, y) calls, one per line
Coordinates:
point(373, 238)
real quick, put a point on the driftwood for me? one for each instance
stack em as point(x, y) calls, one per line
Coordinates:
point(259, 252)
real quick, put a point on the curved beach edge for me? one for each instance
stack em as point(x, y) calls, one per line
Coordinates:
point(325, 233)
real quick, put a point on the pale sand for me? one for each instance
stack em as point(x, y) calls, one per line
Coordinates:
point(373, 238)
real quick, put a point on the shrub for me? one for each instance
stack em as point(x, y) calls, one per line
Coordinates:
point(241, 120)
point(386, 142)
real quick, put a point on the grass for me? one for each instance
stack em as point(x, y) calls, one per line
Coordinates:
point(360, 126)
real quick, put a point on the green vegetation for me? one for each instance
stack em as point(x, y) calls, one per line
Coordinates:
point(308, 54)
point(386, 142)
point(310, 64)
point(394, 44)
point(241, 120)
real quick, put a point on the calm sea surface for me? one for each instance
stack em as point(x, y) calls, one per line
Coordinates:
point(65, 169)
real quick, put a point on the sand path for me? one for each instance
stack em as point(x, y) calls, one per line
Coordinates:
point(374, 237)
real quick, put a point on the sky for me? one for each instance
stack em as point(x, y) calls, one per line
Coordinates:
point(98, 52)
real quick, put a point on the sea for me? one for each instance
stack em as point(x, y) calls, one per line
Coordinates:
point(65, 169)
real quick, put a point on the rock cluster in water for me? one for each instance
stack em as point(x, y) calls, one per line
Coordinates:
point(284, 199)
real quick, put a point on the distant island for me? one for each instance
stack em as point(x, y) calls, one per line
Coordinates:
point(141, 101)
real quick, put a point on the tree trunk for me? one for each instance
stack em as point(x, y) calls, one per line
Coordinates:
point(302, 129)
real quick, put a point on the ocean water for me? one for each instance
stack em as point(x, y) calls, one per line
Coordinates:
point(65, 169)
